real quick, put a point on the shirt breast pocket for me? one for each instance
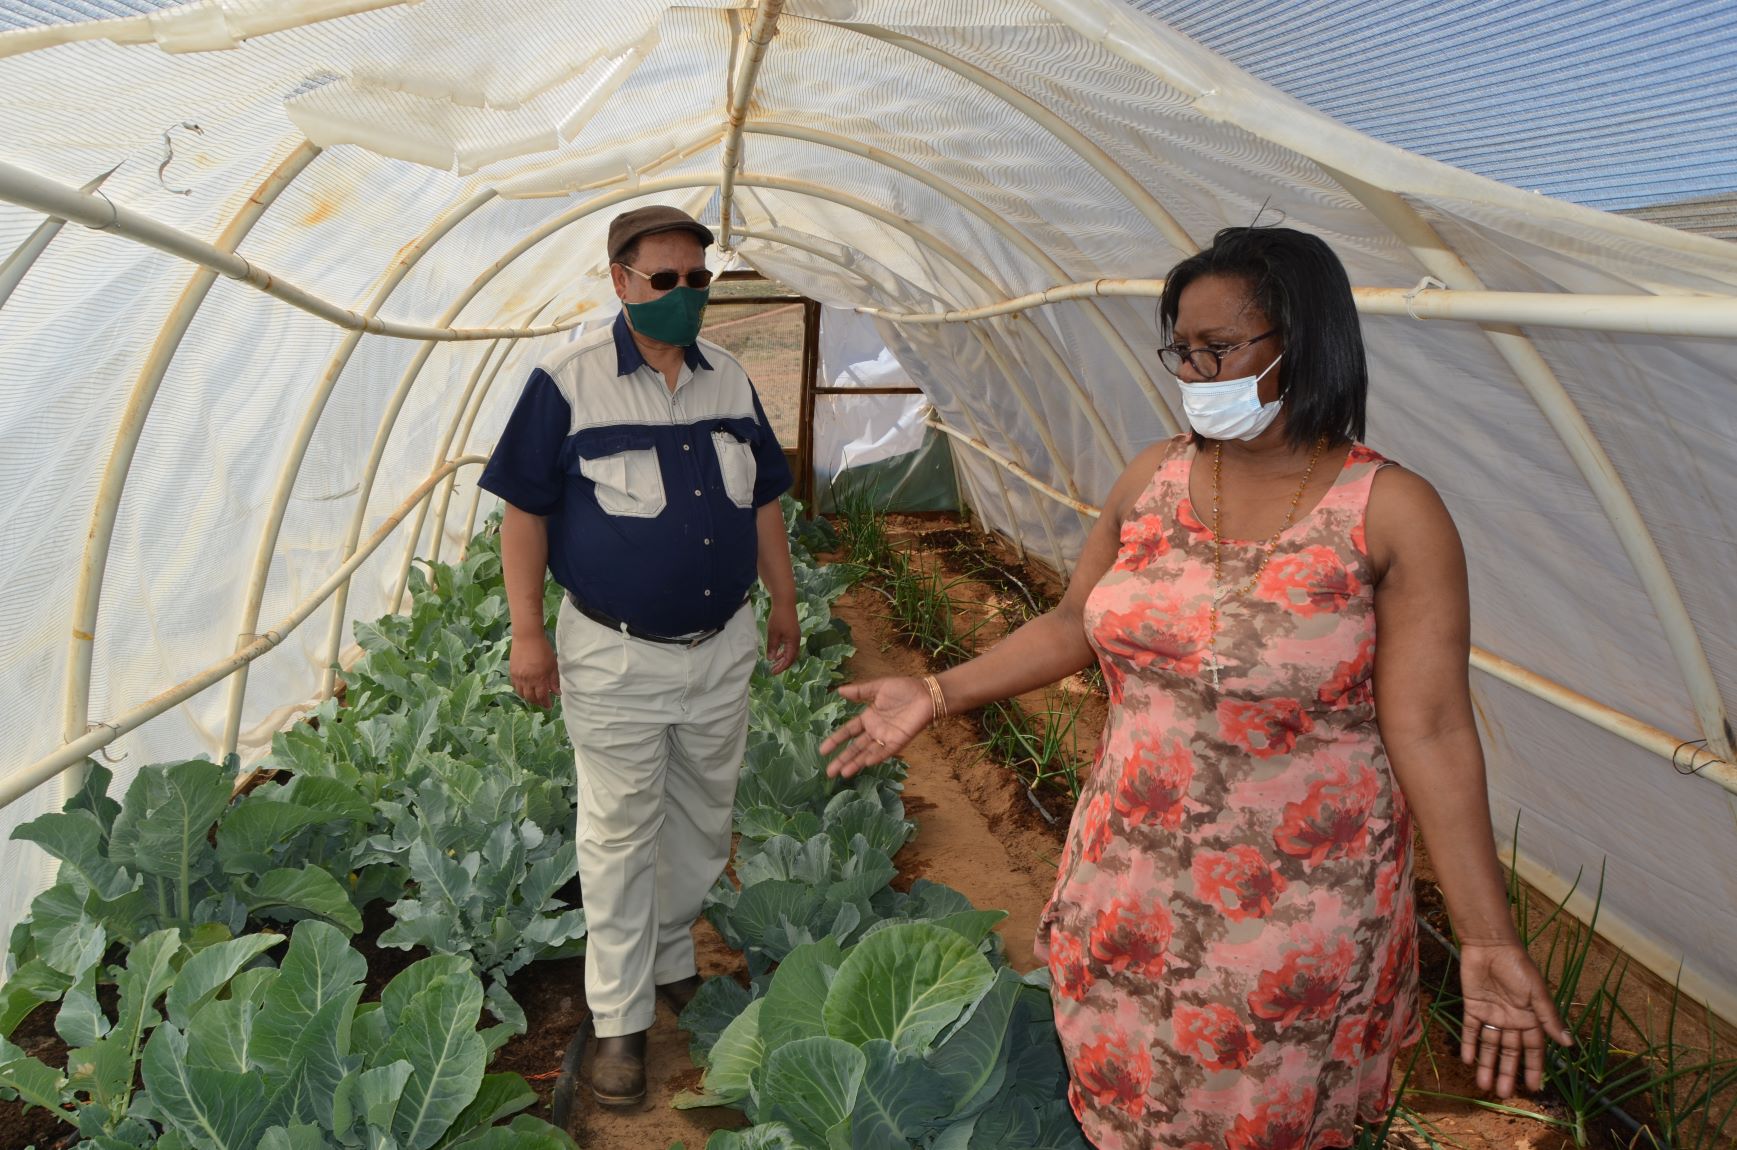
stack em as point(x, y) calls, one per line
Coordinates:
point(627, 480)
point(736, 463)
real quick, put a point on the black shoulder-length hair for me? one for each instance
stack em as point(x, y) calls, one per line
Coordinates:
point(1300, 284)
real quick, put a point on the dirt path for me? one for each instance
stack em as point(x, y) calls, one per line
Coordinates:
point(975, 830)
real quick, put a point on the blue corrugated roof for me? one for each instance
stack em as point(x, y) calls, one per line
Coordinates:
point(34, 13)
point(1613, 103)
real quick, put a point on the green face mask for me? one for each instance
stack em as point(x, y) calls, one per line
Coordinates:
point(673, 318)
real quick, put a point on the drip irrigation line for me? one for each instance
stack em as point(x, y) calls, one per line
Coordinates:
point(1612, 1108)
point(1032, 796)
point(567, 1083)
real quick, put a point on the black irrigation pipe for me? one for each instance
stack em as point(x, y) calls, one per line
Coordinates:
point(1611, 1108)
point(567, 1082)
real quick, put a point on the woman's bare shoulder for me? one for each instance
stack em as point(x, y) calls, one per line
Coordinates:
point(1405, 512)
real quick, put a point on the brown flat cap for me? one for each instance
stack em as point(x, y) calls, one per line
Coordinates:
point(630, 226)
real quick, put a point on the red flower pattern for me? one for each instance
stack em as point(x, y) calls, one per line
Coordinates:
point(1068, 971)
point(1095, 833)
point(1215, 1035)
point(1156, 634)
point(1154, 783)
point(1307, 984)
point(1332, 820)
point(1265, 728)
point(1398, 966)
point(1144, 540)
point(1310, 582)
point(1114, 1072)
point(1129, 938)
point(1239, 882)
point(1280, 1123)
point(1349, 1038)
point(1350, 683)
point(1112, 682)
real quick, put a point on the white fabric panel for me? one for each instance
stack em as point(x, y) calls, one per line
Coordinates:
point(851, 430)
point(542, 96)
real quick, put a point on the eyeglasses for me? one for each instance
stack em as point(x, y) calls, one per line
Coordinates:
point(1206, 361)
point(699, 279)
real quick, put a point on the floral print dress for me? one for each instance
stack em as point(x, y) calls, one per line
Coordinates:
point(1232, 937)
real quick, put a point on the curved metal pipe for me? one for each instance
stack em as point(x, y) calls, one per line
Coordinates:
point(463, 413)
point(1582, 445)
point(25, 255)
point(1031, 480)
point(759, 36)
point(1112, 338)
point(21, 782)
point(1692, 316)
point(105, 510)
point(29, 190)
point(253, 602)
point(462, 442)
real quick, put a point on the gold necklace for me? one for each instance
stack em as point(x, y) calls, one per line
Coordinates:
point(1219, 591)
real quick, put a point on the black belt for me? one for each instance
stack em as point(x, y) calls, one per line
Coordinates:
point(615, 624)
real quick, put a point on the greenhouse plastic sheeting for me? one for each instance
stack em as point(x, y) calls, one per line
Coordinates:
point(894, 459)
point(906, 156)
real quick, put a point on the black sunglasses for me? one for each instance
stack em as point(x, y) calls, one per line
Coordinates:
point(699, 279)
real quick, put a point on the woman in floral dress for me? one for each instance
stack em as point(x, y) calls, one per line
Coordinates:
point(1232, 937)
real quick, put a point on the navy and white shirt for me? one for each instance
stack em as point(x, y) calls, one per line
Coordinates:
point(650, 494)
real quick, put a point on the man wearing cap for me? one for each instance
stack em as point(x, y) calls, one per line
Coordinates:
point(639, 469)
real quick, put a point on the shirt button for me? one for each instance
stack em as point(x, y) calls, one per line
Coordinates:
point(708, 543)
point(686, 447)
point(696, 491)
point(708, 592)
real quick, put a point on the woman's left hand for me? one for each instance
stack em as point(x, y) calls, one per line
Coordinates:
point(1508, 1012)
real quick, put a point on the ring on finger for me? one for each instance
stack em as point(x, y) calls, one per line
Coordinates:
point(1489, 1026)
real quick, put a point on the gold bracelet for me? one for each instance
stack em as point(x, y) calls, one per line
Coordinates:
point(936, 695)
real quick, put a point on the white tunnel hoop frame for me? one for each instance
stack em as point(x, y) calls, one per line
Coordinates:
point(1696, 315)
point(1094, 315)
point(438, 536)
point(105, 509)
point(21, 782)
point(757, 38)
point(463, 415)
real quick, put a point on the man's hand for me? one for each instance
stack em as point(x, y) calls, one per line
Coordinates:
point(535, 674)
point(783, 636)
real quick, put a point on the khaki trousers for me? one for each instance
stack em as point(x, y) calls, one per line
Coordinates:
point(658, 732)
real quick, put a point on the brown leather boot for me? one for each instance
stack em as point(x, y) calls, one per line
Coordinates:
point(679, 993)
point(618, 1070)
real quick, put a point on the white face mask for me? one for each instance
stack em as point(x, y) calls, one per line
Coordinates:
point(1231, 408)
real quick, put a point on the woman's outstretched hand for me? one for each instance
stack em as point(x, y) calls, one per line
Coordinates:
point(1508, 1013)
point(897, 710)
